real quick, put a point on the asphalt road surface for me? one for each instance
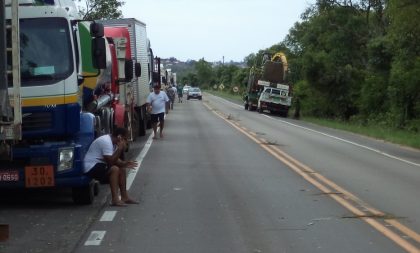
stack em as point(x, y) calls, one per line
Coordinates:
point(228, 180)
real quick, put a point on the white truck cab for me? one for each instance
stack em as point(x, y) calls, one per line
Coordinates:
point(275, 100)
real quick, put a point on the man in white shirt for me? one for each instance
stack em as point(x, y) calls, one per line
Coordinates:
point(157, 105)
point(102, 162)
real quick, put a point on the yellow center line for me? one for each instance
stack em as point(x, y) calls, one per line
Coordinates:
point(312, 177)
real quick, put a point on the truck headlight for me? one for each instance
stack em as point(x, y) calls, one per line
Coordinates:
point(65, 159)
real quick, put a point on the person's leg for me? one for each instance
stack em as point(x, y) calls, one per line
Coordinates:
point(154, 130)
point(154, 120)
point(101, 173)
point(122, 184)
point(161, 123)
point(114, 185)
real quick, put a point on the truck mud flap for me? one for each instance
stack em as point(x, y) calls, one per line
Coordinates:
point(142, 120)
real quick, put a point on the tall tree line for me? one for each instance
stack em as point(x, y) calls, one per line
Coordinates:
point(352, 60)
point(359, 60)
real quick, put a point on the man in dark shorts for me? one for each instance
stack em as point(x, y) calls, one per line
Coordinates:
point(102, 162)
point(157, 105)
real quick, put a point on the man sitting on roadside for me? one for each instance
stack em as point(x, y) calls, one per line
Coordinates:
point(102, 162)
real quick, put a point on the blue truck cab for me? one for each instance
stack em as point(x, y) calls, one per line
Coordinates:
point(55, 131)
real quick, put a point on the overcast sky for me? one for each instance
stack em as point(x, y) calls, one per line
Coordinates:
point(213, 29)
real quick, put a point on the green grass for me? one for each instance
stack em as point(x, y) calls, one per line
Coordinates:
point(401, 137)
point(224, 94)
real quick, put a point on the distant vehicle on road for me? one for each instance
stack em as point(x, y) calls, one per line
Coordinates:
point(185, 89)
point(194, 92)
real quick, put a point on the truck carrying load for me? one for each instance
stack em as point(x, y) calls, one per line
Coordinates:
point(267, 87)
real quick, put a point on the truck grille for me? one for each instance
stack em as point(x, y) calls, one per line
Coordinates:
point(37, 121)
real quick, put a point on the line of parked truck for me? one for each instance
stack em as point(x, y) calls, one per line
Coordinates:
point(64, 82)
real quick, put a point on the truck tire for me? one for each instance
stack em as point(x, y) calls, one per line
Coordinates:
point(284, 113)
point(106, 120)
point(84, 195)
point(96, 188)
point(149, 122)
point(98, 126)
point(260, 110)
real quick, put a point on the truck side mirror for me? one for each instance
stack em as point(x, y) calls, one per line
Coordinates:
point(96, 30)
point(99, 53)
point(137, 70)
point(128, 70)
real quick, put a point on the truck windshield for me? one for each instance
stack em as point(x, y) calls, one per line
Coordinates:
point(45, 51)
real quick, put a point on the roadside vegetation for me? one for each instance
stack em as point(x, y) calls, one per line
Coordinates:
point(385, 133)
point(354, 65)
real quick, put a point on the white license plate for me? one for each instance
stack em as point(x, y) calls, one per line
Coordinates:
point(9, 176)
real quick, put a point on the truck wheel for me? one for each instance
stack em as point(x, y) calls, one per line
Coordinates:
point(98, 126)
point(84, 195)
point(148, 121)
point(260, 110)
point(96, 188)
point(106, 120)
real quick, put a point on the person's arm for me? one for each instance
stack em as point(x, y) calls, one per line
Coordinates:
point(113, 159)
point(149, 103)
point(127, 164)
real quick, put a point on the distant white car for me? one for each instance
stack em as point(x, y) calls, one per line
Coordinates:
point(194, 92)
point(185, 89)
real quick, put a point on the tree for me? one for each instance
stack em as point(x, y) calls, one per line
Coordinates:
point(204, 72)
point(404, 34)
point(331, 46)
point(100, 9)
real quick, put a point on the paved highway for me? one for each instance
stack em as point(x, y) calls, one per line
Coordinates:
point(228, 180)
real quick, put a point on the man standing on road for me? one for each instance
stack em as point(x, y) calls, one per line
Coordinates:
point(180, 95)
point(157, 103)
point(171, 94)
point(102, 162)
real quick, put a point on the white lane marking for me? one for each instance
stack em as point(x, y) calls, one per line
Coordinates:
point(95, 238)
point(108, 216)
point(349, 142)
point(334, 137)
point(133, 172)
